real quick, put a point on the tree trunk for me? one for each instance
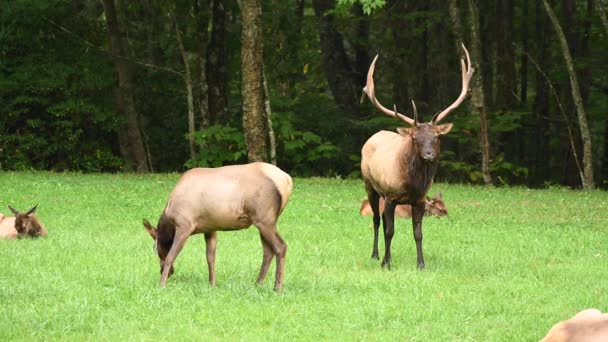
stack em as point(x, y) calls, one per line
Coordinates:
point(189, 89)
point(523, 71)
point(272, 145)
point(478, 101)
point(338, 71)
point(602, 14)
point(505, 59)
point(543, 156)
point(217, 65)
point(578, 101)
point(254, 121)
point(131, 137)
point(201, 10)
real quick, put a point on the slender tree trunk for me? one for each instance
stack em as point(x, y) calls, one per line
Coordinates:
point(523, 71)
point(131, 137)
point(360, 45)
point(602, 14)
point(398, 58)
point(477, 93)
point(201, 10)
point(338, 70)
point(217, 64)
point(578, 101)
point(254, 121)
point(505, 59)
point(272, 145)
point(186, 57)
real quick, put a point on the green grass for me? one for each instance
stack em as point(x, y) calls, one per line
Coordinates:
point(505, 265)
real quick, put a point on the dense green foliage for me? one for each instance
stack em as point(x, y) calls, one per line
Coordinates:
point(505, 265)
point(57, 84)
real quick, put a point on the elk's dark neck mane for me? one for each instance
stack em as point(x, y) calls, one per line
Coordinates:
point(420, 174)
point(166, 230)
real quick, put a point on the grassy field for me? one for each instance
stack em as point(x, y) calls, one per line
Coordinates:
point(505, 265)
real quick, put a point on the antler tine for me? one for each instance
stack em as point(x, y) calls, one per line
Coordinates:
point(467, 73)
point(370, 91)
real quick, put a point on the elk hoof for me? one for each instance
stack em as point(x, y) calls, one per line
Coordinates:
point(375, 256)
point(386, 264)
point(421, 266)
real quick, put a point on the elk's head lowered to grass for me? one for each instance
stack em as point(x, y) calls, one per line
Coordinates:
point(400, 167)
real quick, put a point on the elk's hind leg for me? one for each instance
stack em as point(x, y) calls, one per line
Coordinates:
point(374, 202)
point(278, 248)
point(211, 242)
point(388, 221)
point(268, 254)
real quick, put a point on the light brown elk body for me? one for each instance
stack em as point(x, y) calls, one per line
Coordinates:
point(207, 200)
point(432, 206)
point(400, 166)
point(21, 225)
point(589, 325)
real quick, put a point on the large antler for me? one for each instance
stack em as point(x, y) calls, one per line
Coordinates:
point(369, 90)
point(467, 72)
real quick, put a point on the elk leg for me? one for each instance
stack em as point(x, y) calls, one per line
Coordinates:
point(374, 199)
point(417, 215)
point(279, 248)
point(266, 260)
point(389, 230)
point(178, 243)
point(211, 241)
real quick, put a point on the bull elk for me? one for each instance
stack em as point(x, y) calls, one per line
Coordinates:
point(207, 200)
point(400, 166)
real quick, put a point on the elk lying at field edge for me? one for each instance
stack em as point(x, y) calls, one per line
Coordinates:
point(589, 325)
point(21, 225)
point(400, 166)
point(207, 200)
point(432, 206)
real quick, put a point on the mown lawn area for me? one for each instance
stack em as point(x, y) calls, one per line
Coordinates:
point(505, 265)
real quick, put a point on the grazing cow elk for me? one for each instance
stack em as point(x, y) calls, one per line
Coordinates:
point(400, 166)
point(589, 325)
point(22, 225)
point(234, 197)
point(432, 206)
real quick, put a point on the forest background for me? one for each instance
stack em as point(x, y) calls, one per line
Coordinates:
point(161, 86)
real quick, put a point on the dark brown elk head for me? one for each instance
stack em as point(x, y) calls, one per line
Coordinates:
point(26, 224)
point(163, 240)
point(425, 136)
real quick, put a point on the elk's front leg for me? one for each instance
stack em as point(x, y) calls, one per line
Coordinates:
point(211, 241)
point(417, 215)
point(389, 230)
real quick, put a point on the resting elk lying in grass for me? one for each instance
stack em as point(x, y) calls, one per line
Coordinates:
point(400, 166)
point(21, 225)
point(432, 206)
point(207, 200)
point(589, 325)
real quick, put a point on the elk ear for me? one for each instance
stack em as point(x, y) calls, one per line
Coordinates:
point(150, 229)
point(443, 129)
point(438, 196)
point(405, 131)
point(13, 210)
point(31, 211)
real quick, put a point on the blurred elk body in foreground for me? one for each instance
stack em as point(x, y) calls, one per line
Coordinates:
point(589, 325)
point(400, 166)
point(21, 225)
point(432, 206)
point(207, 200)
